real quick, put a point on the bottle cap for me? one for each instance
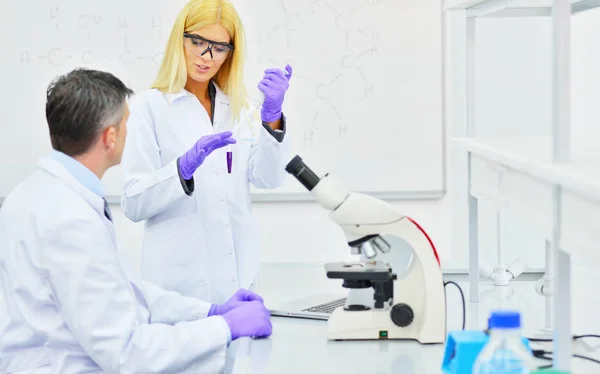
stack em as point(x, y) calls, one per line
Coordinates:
point(505, 319)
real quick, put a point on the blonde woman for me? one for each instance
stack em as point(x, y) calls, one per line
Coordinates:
point(200, 237)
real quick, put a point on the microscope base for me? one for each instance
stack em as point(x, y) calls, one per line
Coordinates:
point(376, 324)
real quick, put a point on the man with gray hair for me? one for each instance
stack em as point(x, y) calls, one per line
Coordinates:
point(66, 305)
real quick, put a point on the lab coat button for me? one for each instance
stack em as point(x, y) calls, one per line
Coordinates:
point(226, 226)
point(233, 279)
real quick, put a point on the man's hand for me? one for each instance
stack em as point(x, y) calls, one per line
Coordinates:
point(240, 297)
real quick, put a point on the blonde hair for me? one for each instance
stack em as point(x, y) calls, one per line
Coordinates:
point(196, 14)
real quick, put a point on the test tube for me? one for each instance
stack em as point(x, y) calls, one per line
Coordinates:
point(255, 105)
point(229, 160)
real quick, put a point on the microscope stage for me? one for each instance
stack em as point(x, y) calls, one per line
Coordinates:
point(367, 271)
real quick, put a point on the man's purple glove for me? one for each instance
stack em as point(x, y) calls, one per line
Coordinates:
point(274, 85)
point(250, 319)
point(234, 301)
point(192, 159)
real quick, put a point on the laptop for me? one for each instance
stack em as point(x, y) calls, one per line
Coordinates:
point(318, 306)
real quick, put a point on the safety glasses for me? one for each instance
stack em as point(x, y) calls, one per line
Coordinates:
point(200, 46)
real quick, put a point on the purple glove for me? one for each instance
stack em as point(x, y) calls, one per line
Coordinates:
point(250, 319)
point(234, 301)
point(274, 85)
point(192, 159)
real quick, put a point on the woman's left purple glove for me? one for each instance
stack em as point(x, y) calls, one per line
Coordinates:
point(274, 85)
point(234, 301)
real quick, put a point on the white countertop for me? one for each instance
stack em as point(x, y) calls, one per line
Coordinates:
point(301, 346)
point(304, 342)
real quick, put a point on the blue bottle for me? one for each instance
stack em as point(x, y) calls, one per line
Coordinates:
point(505, 352)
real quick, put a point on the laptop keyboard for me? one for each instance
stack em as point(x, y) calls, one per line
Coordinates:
point(327, 307)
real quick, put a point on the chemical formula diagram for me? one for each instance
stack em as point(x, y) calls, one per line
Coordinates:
point(86, 24)
point(349, 64)
point(83, 31)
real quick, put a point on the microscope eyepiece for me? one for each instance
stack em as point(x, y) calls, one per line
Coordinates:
point(298, 169)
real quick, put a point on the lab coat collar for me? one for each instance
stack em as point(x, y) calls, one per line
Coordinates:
point(83, 175)
point(171, 97)
point(59, 171)
point(220, 97)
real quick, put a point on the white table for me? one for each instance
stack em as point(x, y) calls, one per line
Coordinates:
point(301, 346)
point(517, 174)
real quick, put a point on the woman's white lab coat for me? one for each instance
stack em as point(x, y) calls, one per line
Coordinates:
point(205, 245)
point(66, 305)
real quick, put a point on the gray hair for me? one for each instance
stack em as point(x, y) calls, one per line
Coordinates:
point(80, 105)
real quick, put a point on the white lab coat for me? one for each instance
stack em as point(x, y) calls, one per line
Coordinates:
point(66, 305)
point(205, 245)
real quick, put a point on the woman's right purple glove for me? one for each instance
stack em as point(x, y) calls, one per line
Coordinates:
point(274, 85)
point(192, 159)
point(250, 319)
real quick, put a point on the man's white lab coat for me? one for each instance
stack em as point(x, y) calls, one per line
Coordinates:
point(66, 305)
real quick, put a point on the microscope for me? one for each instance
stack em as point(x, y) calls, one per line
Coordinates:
point(412, 306)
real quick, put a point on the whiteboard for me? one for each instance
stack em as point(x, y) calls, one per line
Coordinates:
point(365, 102)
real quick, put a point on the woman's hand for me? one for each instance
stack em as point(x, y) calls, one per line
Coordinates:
point(274, 85)
point(192, 159)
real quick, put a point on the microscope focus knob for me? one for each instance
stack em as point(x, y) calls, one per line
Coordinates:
point(402, 315)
